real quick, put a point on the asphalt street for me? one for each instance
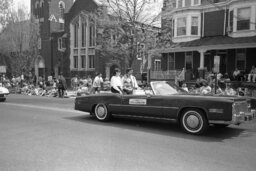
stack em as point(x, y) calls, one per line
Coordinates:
point(47, 134)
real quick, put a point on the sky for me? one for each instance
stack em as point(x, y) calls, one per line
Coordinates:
point(19, 2)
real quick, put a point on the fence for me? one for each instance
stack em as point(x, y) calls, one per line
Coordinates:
point(164, 75)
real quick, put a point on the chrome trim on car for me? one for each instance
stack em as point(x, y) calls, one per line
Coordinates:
point(146, 117)
point(144, 106)
point(216, 111)
point(237, 118)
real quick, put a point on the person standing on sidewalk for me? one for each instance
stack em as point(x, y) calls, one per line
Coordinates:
point(62, 85)
point(97, 82)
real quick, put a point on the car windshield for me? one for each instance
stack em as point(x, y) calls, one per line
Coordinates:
point(166, 88)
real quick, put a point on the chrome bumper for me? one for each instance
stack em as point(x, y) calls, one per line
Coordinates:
point(238, 118)
point(242, 117)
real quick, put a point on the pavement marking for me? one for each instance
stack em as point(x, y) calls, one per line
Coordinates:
point(43, 107)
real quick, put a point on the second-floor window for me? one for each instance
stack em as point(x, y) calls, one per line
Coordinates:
point(195, 2)
point(83, 34)
point(231, 21)
point(92, 34)
point(61, 44)
point(194, 25)
point(243, 18)
point(76, 27)
point(181, 26)
point(180, 3)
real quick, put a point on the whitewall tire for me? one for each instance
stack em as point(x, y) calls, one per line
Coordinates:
point(193, 121)
point(101, 112)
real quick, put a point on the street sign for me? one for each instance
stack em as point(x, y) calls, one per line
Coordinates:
point(2, 69)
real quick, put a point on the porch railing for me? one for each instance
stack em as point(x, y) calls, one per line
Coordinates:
point(164, 75)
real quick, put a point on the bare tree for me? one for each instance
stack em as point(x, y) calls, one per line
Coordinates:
point(5, 12)
point(18, 41)
point(127, 24)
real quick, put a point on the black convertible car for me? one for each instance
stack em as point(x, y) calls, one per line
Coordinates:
point(167, 101)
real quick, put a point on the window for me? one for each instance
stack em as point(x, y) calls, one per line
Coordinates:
point(37, 9)
point(76, 35)
point(171, 61)
point(243, 18)
point(92, 34)
point(180, 3)
point(241, 59)
point(75, 61)
point(231, 20)
point(91, 61)
point(83, 61)
point(41, 11)
point(157, 65)
point(194, 26)
point(181, 26)
point(174, 4)
point(188, 60)
point(61, 44)
point(83, 34)
point(195, 2)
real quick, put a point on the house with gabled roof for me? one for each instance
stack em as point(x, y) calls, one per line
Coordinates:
point(209, 34)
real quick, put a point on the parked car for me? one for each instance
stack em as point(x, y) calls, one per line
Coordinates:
point(3, 93)
point(167, 101)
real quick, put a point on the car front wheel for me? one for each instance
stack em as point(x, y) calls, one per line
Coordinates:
point(193, 121)
point(101, 112)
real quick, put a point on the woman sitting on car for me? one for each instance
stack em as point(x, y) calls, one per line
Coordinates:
point(116, 82)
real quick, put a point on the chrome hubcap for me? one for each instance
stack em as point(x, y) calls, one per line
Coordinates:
point(101, 111)
point(193, 121)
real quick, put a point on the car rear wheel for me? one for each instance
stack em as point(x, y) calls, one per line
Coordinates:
point(101, 112)
point(193, 121)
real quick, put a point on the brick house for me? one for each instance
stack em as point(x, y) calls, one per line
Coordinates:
point(209, 33)
point(50, 15)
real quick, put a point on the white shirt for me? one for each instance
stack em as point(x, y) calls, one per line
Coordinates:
point(116, 82)
point(97, 81)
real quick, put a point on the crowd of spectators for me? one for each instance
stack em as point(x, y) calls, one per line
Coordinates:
point(57, 87)
point(217, 84)
point(51, 86)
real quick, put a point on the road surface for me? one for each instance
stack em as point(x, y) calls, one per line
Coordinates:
point(46, 134)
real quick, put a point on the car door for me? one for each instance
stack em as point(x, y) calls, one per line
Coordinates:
point(142, 105)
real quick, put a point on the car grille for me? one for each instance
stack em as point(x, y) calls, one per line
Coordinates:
point(239, 107)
